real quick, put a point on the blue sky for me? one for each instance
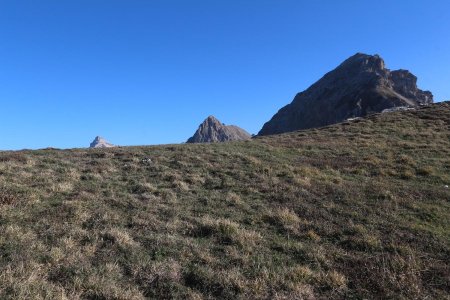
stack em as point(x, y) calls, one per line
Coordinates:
point(149, 71)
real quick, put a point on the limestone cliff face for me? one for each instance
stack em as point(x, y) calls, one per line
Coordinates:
point(359, 86)
point(100, 142)
point(212, 130)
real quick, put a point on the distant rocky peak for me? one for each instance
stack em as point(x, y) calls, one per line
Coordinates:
point(100, 142)
point(212, 130)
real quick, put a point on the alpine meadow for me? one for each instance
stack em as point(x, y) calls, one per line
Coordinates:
point(354, 210)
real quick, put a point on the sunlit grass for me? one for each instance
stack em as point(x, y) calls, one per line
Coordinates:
point(355, 210)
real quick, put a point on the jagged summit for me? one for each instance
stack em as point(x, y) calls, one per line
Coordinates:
point(359, 86)
point(212, 120)
point(100, 142)
point(363, 61)
point(212, 130)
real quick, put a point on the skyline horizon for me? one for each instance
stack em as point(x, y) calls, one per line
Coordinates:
point(183, 142)
point(147, 73)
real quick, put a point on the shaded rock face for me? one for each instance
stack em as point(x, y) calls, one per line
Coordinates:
point(100, 142)
point(212, 130)
point(361, 85)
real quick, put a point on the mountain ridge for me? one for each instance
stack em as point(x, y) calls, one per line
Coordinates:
point(359, 86)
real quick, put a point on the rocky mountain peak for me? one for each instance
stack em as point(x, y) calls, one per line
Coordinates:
point(364, 61)
point(211, 120)
point(359, 86)
point(212, 130)
point(100, 142)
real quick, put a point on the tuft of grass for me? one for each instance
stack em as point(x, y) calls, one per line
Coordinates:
point(227, 232)
point(286, 219)
point(7, 197)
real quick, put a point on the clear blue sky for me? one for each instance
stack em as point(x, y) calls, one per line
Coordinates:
point(149, 71)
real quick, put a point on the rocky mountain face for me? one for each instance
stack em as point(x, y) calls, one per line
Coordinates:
point(100, 142)
point(361, 85)
point(212, 130)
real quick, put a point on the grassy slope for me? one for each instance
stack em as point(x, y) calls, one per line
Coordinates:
point(351, 210)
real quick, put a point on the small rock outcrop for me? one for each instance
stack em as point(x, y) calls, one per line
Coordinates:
point(361, 85)
point(398, 108)
point(212, 130)
point(100, 142)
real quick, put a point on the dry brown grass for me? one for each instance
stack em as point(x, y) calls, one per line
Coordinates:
point(357, 210)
